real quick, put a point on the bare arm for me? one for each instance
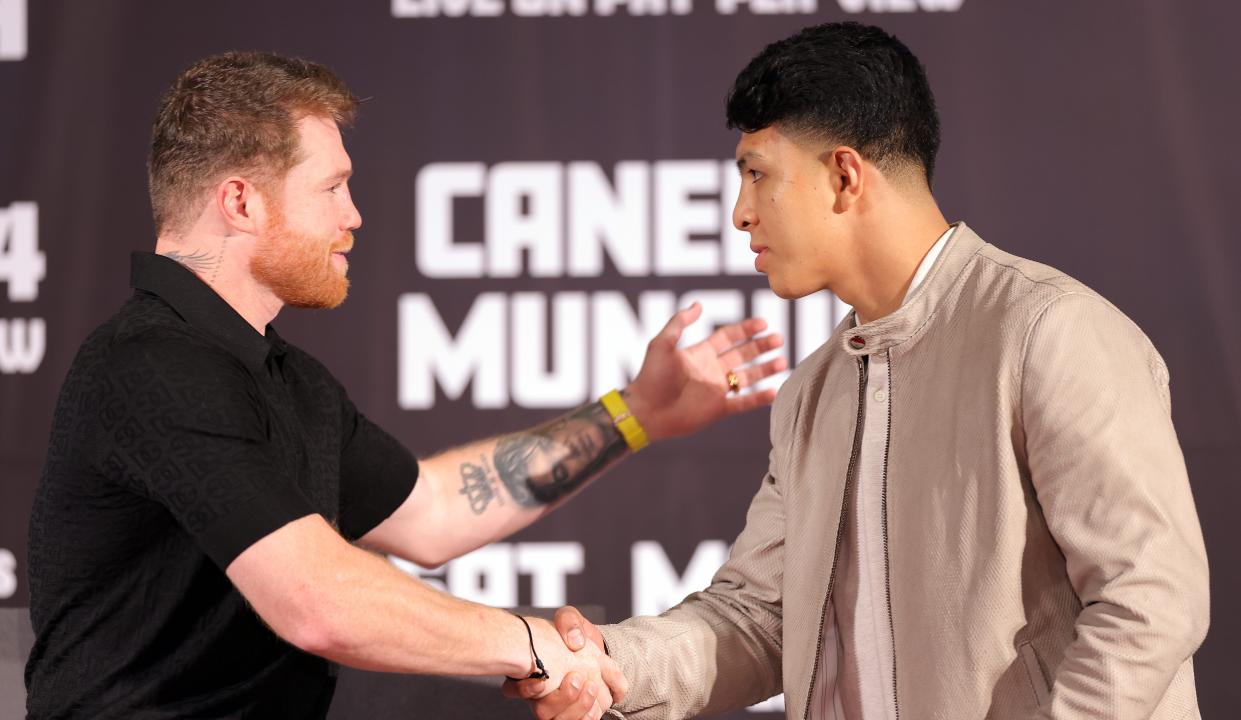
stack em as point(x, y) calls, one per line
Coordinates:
point(329, 598)
point(469, 496)
point(473, 495)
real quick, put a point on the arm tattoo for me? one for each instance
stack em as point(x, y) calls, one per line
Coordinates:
point(543, 465)
point(478, 485)
point(201, 262)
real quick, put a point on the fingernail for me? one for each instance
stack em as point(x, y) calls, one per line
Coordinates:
point(576, 641)
point(591, 689)
point(575, 682)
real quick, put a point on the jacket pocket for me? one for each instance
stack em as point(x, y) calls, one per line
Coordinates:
point(1034, 673)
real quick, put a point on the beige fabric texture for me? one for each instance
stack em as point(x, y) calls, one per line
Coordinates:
point(1045, 558)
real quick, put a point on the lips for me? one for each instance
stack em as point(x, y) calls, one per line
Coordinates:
point(339, 259)
point(760, 255)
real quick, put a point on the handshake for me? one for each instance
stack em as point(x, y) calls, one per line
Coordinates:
point(582, 683)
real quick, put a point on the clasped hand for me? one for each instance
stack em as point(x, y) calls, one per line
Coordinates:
point(584, 681)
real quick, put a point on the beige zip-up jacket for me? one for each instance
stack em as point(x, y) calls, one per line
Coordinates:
point(1044, 557)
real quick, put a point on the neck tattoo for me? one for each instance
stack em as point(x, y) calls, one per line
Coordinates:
point(201, 262)
point(215, 272)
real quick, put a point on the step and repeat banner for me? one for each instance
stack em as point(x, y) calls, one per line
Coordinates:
point(542, 182)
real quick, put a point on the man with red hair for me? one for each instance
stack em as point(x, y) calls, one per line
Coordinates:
point(199, 542)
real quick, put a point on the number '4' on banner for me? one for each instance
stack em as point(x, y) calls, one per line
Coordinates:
point(22, 265)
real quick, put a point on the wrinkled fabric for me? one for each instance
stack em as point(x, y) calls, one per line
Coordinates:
point(1045, 556)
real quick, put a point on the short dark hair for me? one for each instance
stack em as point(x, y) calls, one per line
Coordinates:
point(235, 112)
point(850, 83)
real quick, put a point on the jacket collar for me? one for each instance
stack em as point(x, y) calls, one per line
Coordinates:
point(202, 308)
point(896, 328)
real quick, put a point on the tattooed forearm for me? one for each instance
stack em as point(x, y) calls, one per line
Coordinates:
point(202, 262)
point(478, 485)
point(543, 465)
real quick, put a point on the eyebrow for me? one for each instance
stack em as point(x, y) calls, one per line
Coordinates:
point(743, 160)
point(341, 175)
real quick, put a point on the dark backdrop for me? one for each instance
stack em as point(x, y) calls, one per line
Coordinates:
point(1097, 137)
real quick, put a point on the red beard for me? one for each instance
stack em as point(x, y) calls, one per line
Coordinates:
point(298, 268)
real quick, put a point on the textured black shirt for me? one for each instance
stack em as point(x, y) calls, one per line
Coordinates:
point(182, 436)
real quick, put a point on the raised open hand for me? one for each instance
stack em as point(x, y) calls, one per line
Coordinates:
point(681, 390)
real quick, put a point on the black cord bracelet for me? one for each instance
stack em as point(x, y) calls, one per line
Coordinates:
point(541, 673)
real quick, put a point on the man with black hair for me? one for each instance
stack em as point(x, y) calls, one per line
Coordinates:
point(976, 505)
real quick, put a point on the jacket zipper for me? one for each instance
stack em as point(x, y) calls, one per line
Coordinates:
point(844, 508)
point(887, 564)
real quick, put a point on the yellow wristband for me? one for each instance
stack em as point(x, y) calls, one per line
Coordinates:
point(625, 422)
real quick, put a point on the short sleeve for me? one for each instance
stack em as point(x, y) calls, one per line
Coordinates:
point(183, 424)
point(377, 473)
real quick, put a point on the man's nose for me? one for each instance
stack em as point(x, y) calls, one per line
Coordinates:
point(353, 220)
point(744, 217)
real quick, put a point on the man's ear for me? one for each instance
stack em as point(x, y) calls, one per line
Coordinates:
point(845, 168)
point(241, 205)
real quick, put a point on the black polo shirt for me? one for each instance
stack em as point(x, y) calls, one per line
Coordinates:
point(181, 437)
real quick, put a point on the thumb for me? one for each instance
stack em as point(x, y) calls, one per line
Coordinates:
point(569, 624)
point(677, 324)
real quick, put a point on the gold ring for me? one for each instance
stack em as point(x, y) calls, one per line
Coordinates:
point(734, 382)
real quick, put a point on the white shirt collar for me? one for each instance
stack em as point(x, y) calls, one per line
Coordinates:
point(927, 262)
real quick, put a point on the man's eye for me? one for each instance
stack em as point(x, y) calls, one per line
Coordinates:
point(754, 175)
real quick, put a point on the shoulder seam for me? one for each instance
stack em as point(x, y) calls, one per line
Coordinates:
point(1023, 274)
